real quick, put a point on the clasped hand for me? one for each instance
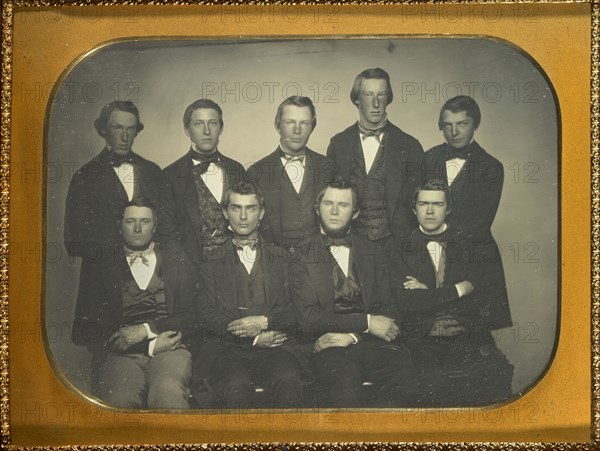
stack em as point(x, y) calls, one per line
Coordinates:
point(248, 326)
point(127, 336)
point(383, 327)
point(332, 339)
point(270, 339)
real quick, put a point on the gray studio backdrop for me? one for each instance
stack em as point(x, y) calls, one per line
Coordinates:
point(249, 79)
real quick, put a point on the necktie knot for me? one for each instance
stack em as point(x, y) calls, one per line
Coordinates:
point(299, 157)
point(245, 243)
point(463, 153)
point(366, 133)
point(116, 160)
point(134, 255)
point(202, 162)
point(341, 241)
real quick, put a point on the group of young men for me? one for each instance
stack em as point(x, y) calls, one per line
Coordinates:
point(367, 277)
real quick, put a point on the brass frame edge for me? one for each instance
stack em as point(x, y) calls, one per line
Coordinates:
point(5, 125)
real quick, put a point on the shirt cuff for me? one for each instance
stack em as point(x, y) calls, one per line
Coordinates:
point(460, 292)
point(255, 340)
point(354, 337)
point(151, 334)
point(368, 323)
point(151, 345)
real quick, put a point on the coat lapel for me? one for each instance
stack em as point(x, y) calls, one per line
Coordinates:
point(186, 190)
point(395, 160)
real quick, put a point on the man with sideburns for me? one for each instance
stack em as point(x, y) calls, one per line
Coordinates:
point(345, 307)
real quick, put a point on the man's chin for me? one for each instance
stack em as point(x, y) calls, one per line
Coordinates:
point(335, 232)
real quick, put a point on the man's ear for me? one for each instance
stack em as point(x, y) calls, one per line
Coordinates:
point(224, 210)
point(262, 213)
point(317, 211)
point(355, 214)
point(186, 131)
point(415, 211)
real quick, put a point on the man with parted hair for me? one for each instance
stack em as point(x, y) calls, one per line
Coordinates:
point(343, 301)
point(100, 188)
point(134, 314)
point(291, 176)
point(248, 326)
point(475, 179)
point(382, 162)
point(191, 222)
point(443, 293)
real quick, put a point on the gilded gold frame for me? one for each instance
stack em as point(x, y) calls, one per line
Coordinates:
point(8, 10)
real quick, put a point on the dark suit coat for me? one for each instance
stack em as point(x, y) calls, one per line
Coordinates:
point(179, 224)
point(475, 192)
point(95, 202)
point(420, 307)
point(313, 293)
point(403, 167)
point(320, 172)
point(98, 312)
point(218, 295)
point(476, 195)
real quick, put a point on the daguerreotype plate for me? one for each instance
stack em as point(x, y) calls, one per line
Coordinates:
point(532, 68)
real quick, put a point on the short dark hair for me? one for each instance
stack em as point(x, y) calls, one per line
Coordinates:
point(374, 73)
point(299, 101)
point(245, 188)
point(433, 185)
point(142, 202)
point(338, 182)
point(118, 105)
point(462, 103)
point(198, 104)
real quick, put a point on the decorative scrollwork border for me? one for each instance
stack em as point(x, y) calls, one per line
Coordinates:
point(8, 7)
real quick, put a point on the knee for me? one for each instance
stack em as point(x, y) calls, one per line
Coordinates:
point(168, 392)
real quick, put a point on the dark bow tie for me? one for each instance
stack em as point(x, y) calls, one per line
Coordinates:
point(439, 238)
point(133, 255)
point(342, 241)
point(463, 153)
point(204, 161)
point(291, 158)
point(116, 160)
point(365, 133)
point(243, 243)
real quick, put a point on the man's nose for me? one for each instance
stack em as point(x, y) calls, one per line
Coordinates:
point(137, 227)
point(206, 130)
point(243, 214)
point(335, 210)
point(376, 102)
point(296, 129)
point(429, 208)
point(455, 130)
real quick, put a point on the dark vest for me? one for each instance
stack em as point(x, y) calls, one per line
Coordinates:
point(348, 298)
point(298, 217)
point(213, 224)
point(141, 306)
point(373, 219)
point(251, 298)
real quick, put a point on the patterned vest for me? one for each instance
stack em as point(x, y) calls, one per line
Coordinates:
point(213, 225)
point(373, 219)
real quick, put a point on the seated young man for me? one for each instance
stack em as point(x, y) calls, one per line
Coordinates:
point(148, 305)
point(442, 295)
point(245, 313)
point(345, 307)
